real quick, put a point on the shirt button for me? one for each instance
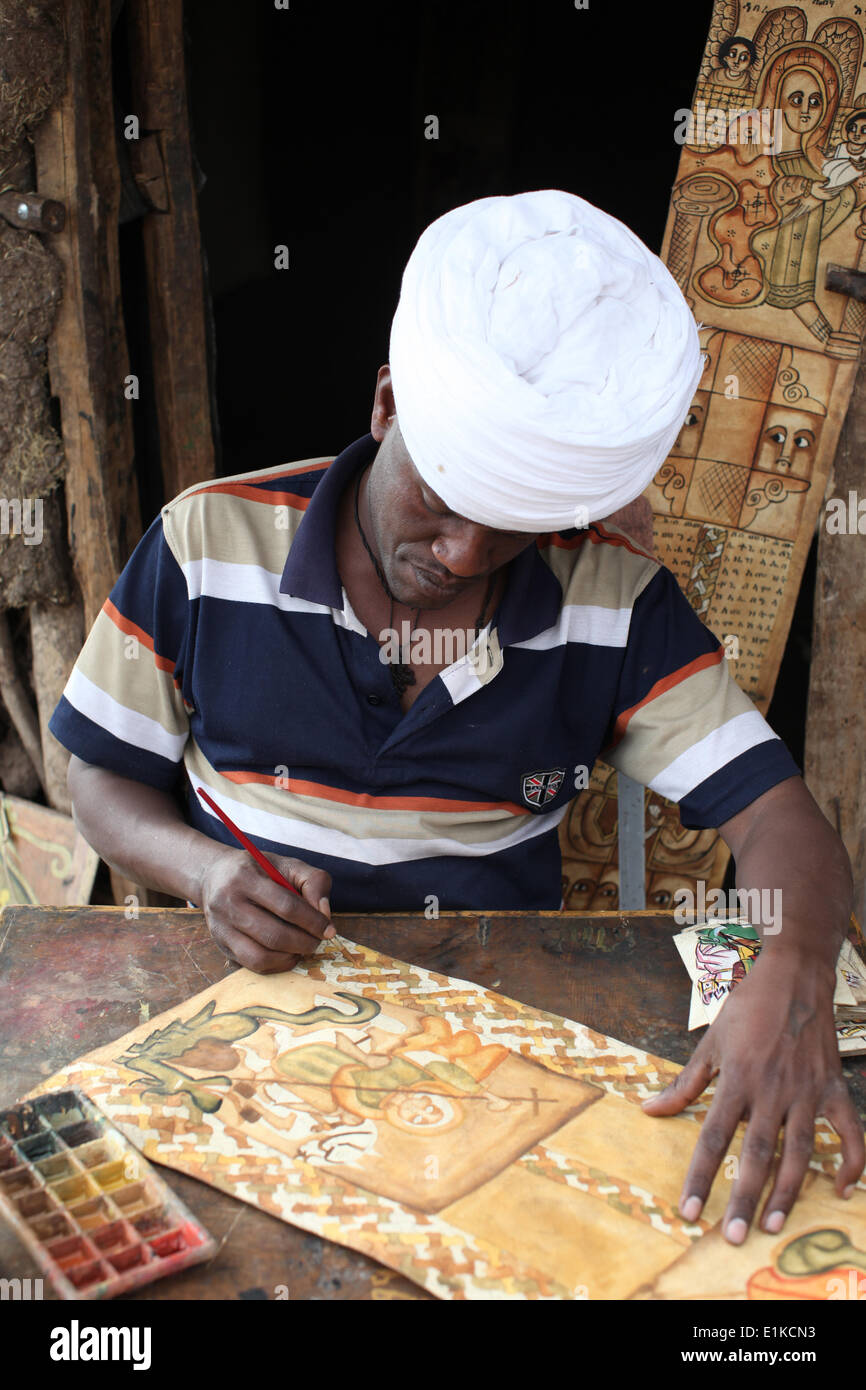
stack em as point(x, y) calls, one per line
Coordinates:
point(374, 699)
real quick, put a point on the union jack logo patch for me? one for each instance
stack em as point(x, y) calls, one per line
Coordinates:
point(540, 787)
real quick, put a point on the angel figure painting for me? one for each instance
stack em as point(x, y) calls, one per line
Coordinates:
point(769, 243)
point(777, 201)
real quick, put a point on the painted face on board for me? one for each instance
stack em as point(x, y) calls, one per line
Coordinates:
point(801, 101)
point(686, 445)
point(737, 60)
point(788, 442)
point(855, 135)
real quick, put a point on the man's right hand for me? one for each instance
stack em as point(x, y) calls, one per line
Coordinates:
point(142, 832)
point(257, 923)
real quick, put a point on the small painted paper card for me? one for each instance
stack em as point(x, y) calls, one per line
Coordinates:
point(718, 954)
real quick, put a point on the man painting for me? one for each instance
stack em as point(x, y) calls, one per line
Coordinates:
point(542, 364)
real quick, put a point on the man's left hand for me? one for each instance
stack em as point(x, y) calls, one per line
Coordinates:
point(774, 1049)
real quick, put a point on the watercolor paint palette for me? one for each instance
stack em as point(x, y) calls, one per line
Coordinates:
point(90, 1209)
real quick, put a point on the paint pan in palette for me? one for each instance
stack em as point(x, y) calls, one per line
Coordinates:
point(90, 1210)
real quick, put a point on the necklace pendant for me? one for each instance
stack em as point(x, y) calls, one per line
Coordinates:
point(402, 676)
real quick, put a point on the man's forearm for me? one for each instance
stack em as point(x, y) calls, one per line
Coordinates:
point(796, 854)
point(773, 1046)
point(139, 831)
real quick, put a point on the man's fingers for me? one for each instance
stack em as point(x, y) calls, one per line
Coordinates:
point(315, 885)
point(686, 1087)
point(756, 1158)
point(269, 932)
point(243, 950)
point(839, 1110)
point(797, 1148)
point(302, 912)
point(713, 1143)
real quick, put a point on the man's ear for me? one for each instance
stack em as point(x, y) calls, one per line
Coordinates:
point(384, 410)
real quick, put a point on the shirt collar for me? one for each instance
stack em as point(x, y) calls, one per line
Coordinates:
point(532, 599)
point(310, 571)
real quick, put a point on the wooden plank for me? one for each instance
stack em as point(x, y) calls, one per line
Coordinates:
point(172, 246)
point(835, 768)
point(56, 635)
point(88, 359)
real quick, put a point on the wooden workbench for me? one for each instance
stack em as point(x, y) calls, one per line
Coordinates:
point(72, 979)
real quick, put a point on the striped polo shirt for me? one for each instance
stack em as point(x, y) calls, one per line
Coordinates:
point(228, 655)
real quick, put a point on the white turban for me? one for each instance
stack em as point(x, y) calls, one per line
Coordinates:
point(543, 361)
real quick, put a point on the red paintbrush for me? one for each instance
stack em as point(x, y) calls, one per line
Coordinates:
point(241, 838)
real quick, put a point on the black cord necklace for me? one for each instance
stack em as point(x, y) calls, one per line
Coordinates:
point(402, 674)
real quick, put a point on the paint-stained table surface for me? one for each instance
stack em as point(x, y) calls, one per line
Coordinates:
point(73, 979)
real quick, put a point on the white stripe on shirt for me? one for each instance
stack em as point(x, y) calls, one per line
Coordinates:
point(590, 623)
point(126, 724)
point(243, 584)
point(711, 753)
point(304, 835)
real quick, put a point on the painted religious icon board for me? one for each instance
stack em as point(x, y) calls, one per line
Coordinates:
point(770, 190)
point(480, 1147)
point(43, 858)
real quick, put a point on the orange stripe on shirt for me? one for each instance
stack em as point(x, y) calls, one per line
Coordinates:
point(255, 494)
point(288, 472)
point(132, 629)
point(599, 536)
point(700, 663)
point(364, 799)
